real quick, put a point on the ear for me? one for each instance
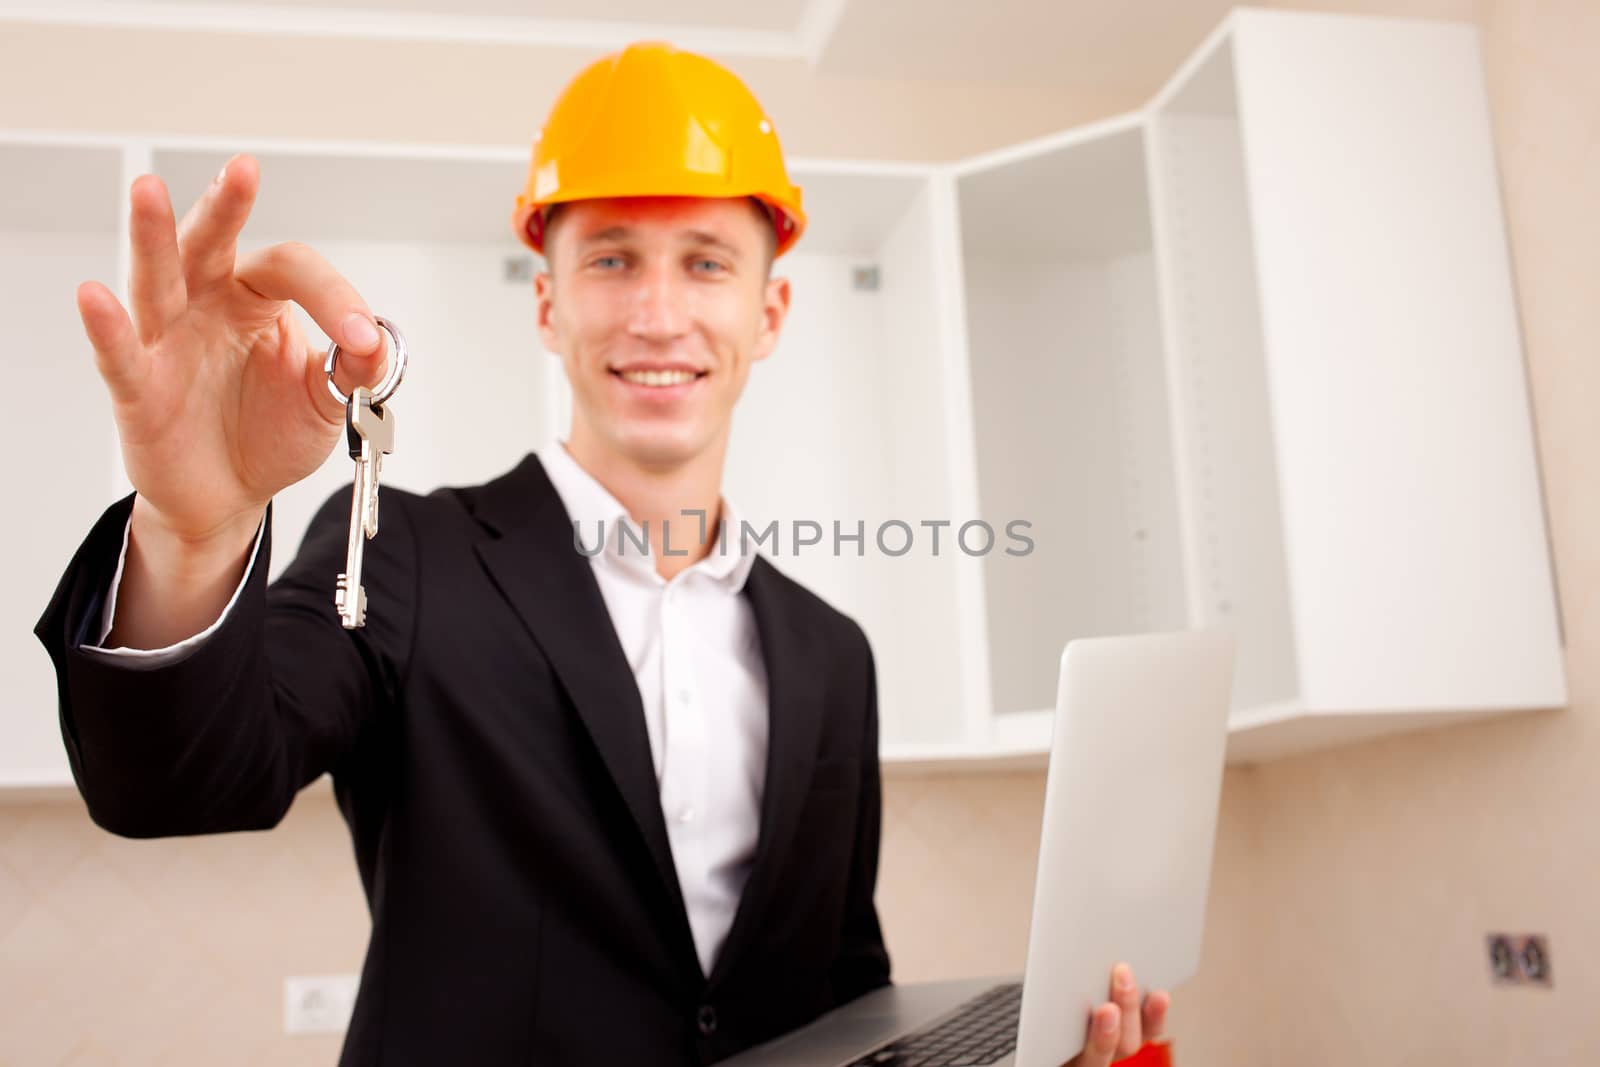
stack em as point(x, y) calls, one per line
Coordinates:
point(544, 302)
point(774, 312)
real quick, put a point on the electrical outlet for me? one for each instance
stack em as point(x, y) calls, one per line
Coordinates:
point(1520, 959)
point(318, 1003)
point(1534, 958)
point(1502, 960)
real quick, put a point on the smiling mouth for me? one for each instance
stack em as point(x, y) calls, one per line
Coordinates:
point(659, 378)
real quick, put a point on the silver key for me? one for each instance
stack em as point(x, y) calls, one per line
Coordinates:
point(369, 432)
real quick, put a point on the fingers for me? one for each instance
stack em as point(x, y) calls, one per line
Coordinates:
point(117, 352)
point(317, 385)
point(1125, 995)
point(1120, 1028)
point(1100, 1046)
point(156, 292)
point(209, 235)
point(1156, 1006)
point(297, 272)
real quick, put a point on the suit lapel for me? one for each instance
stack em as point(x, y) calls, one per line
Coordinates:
point(531, 558)
point(550, 584)
point(794, 661)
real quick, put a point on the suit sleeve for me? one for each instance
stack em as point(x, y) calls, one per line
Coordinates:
point(223, 736)
point(862, 963)
point(155, 657)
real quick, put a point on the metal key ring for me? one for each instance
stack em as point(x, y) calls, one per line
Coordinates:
point(391, 381)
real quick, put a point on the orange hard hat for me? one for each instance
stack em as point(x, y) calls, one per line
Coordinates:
point(651, 120)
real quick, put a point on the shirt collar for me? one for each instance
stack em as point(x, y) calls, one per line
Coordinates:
point(589, 504)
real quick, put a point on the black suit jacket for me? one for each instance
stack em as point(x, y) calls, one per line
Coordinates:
point(488, 750)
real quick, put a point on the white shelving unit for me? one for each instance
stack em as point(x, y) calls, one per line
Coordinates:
point(1357, 449)
point(1248, 357)
point(1070, 407)
point(857, 419)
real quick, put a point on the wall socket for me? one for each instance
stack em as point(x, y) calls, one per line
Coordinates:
point(318, 1003)
point(1520, 959)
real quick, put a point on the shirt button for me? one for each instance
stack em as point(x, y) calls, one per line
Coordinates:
point(706, 1019)
point(683, 696)
point(686, 815)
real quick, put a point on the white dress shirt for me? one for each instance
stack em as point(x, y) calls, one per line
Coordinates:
point(695, 651)
point(696, 655)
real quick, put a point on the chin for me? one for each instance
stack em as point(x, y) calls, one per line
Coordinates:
point(659, 445)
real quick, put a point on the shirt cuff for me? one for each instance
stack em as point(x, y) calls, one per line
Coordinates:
point(158, 657)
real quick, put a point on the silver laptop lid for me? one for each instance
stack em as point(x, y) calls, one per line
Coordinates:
point(1130, 817)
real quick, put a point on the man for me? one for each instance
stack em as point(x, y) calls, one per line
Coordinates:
point(610, 809)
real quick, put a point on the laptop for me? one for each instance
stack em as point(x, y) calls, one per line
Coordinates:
point(1135, 778)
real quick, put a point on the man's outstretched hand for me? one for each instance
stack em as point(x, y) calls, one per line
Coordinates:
point(1119, 1027)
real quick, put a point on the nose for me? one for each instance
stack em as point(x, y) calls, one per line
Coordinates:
point(660, 310)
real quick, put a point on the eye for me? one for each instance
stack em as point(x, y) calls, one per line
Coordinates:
point(708, 266)
point(610, 261)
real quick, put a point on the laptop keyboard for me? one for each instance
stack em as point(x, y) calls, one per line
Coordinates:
point(981, 1031)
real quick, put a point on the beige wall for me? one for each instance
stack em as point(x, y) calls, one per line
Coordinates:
point(1352, 888)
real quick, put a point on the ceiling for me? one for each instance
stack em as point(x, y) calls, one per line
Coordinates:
point(1094, 46)
point(762, 15)
point(778, 15)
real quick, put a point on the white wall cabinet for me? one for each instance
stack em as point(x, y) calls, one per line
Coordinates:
point(1361, 477)
point(1249, 357)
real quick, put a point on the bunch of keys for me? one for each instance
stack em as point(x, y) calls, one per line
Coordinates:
point(369, 433)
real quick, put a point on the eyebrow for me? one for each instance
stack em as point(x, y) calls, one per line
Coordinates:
point(697, 237)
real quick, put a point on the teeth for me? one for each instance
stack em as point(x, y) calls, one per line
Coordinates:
point(659, 377)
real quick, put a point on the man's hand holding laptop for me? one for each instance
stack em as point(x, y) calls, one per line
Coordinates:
point(1122, 1026)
